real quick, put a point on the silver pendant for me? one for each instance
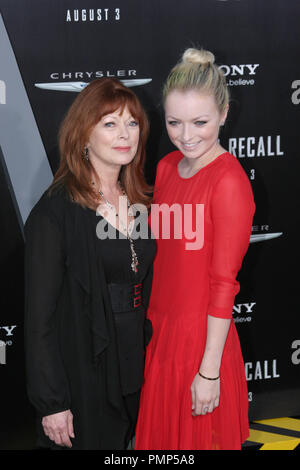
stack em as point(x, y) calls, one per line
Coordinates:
point(134, 258)
point(135, 262)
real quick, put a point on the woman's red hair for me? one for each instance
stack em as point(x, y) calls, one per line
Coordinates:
point(75, 173)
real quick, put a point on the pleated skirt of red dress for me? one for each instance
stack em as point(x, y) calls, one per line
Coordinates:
point(165, 419)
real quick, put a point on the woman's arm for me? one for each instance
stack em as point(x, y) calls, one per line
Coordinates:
point(44, 274)
point(232, 212)
point(206, 393)
point(217, 330)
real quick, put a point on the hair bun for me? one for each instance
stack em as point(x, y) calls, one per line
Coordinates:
point(198, 56)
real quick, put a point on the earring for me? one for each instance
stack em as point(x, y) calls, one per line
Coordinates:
point(86, 153)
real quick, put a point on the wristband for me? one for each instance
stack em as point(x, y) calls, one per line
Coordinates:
point(208, 378)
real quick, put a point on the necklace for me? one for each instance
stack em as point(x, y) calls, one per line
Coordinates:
point(134, 258)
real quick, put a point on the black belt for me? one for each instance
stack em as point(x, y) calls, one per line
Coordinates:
point(125, 297)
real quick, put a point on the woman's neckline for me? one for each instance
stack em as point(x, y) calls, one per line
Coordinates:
point(97, 214)
point(200, 169)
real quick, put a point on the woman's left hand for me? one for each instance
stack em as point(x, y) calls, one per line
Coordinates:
point(205, 395)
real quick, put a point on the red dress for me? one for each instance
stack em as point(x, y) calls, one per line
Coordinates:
point(188, 285)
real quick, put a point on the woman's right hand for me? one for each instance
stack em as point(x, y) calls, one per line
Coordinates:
point(59, 427)
point(205, 395)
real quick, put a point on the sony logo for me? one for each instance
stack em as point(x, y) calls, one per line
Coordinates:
point(8, 329)
point(241, 69)
point(2, 92)
point(246, 308)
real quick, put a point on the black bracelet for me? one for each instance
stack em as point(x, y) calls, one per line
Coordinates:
point(208, 378)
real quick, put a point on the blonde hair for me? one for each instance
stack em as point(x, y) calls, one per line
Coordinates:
point(197, 71)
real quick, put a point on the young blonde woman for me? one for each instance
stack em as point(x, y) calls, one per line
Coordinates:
point(195, 393)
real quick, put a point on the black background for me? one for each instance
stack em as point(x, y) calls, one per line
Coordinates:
point(150, 38)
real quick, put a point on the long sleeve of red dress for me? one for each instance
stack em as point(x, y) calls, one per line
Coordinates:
point(232, 213)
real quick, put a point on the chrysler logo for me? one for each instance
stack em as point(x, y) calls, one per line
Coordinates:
point(79, 86)
point(264, 236)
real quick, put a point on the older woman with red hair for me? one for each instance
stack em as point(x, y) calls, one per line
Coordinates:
point(88, 277)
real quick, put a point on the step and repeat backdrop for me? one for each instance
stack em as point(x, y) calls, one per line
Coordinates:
point(50, 50)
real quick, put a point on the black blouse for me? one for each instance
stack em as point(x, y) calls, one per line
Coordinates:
point(114, 254)
point(70, 330)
